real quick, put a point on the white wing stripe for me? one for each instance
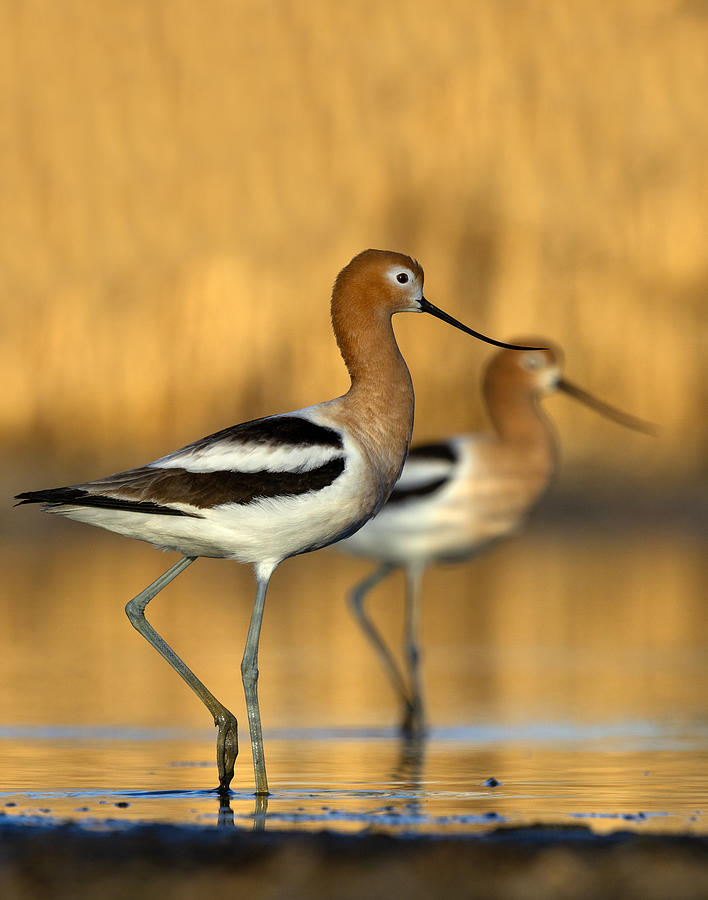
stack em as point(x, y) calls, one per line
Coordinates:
point(418, 472)
point(227, 456)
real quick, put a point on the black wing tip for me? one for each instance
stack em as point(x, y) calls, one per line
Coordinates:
point(77, 497)
point(47, 496)
point(51, 495)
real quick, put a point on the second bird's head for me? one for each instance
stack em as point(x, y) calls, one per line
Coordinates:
point(536, 373)
point(378, 283)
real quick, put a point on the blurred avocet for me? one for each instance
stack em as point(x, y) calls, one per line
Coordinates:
point(456, 497)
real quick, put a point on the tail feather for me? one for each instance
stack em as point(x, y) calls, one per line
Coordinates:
point(72, 496)
point(51, 495)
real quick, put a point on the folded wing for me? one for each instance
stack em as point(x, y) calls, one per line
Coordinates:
point(265, 458)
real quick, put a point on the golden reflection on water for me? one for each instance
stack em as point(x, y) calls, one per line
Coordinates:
point(584, 626)
point(569, 666)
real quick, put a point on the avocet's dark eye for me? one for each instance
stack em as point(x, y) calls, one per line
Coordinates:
point(402, 277)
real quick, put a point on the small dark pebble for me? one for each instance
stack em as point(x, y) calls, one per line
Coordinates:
point(491, 815)
point(122, 804)
point(11, 803)
point(492, 782)
point(45, 810)
point(82, 809)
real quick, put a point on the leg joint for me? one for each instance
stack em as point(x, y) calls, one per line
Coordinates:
point(134, 612)
point(224, 718)
point(356, 599)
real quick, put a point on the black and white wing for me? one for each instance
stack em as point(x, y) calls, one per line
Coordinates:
point(272, 457)
point(428, 469)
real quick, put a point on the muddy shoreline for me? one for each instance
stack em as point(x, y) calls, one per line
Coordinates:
point(154, 861)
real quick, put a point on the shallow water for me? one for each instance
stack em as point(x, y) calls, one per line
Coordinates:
point(571, 668)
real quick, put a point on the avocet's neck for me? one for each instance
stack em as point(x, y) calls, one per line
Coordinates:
point(517, 416)
point(378, 408)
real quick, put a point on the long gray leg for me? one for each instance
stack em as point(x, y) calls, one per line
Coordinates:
point(356, 601)
point(249, 674)
point(415, 722)
point(227, 738)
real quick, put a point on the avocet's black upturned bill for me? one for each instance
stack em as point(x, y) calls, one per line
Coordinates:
point(275, 487)
point(456, 497)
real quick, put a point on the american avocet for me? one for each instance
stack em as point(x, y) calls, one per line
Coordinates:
point(274, 487)
point(456, 497)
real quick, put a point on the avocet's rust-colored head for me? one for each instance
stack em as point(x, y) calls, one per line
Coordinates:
point(536, 373)
point(378, 283)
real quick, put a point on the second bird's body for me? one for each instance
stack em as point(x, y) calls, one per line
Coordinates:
point(456, 497)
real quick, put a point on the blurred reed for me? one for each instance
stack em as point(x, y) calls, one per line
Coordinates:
point(181, 181)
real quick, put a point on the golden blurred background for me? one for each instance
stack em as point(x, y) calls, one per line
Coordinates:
point(182, 181)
